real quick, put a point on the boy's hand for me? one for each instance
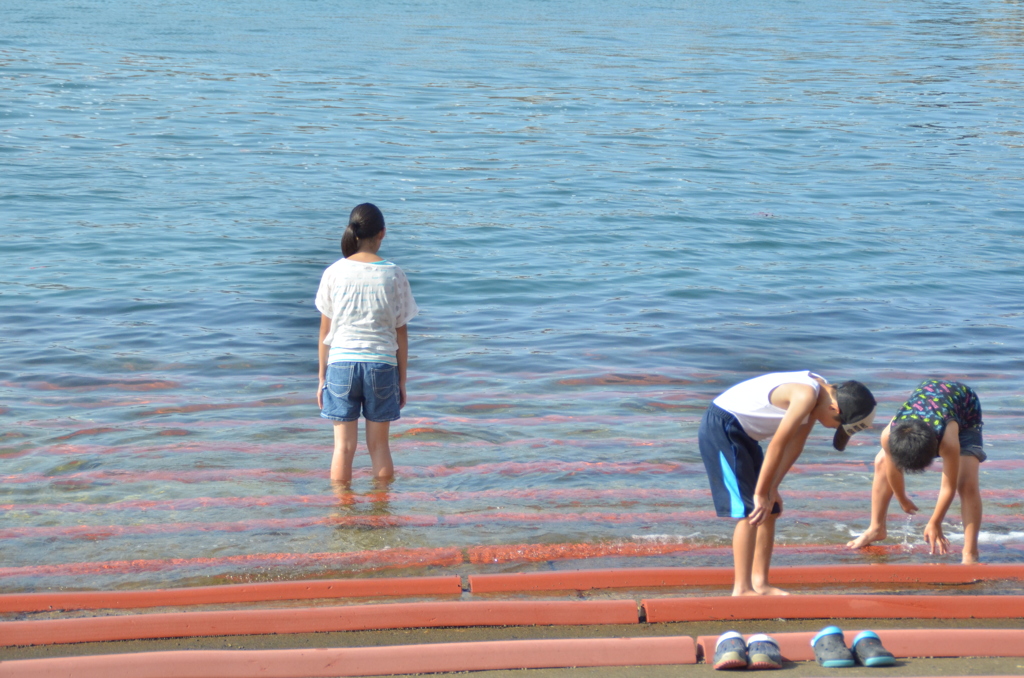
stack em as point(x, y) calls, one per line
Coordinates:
point(933, 535)
point(763, 505)
point(907, 505)
point(320, 395)
point(402, 398)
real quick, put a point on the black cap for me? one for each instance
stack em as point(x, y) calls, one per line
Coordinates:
point(856, 411)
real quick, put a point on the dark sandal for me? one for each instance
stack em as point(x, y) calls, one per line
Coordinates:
point(867, 648)
point(830, 648)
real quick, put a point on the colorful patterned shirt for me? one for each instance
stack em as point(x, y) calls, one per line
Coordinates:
point(937, 402)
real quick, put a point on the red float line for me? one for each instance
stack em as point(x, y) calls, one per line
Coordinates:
point(88, 432)
point(553, 497)
point(328, 500)
point(903, 643)
point(437, 471)
point(367, 661)
point(281, 450)
point(486, 555)
point(428, 557)
point(123, 385)
point(367, 560)
point(582, 580)
point(833, 607)
point(183, 476)
point(524, 553)
point(207, 407)
point(110, 531)
point(625, 380)
point(241, 593)
point(93, 532)
point(317, 620)
point(575, 495)
point(96, 532)
point(374, 559)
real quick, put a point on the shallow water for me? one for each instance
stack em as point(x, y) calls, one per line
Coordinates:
point(609, 213)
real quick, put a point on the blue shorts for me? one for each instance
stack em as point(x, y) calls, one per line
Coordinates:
point(733, 462)
point(354, 386)
point(971, 444)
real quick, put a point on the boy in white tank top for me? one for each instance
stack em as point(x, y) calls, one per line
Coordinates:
point(783, 406)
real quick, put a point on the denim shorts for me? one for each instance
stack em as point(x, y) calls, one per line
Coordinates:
point(971, 444)
point(354, 386)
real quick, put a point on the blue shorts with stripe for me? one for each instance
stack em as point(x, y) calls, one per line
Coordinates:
point(733, 462)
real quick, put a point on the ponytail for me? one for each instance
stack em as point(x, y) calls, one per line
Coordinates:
point(365, 221)
point(348, 243)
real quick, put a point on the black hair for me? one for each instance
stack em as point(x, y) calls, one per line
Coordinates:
point(913, 445)
point(365, 221)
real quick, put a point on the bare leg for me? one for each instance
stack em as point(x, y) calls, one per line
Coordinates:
point(743, 543)
point(881, 495)
point(380, 450)
point(970, 506)
point(346, 437)
point(763, 548)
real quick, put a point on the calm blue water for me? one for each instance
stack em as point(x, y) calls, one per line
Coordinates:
point(609, 212)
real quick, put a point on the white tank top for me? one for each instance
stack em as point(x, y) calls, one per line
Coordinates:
point(749, 401)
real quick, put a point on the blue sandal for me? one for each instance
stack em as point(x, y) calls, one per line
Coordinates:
point(867, 648)
point(830, 648)
point(730, 651)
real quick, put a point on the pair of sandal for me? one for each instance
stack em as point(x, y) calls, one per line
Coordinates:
point(831, 652)
point(760, 652)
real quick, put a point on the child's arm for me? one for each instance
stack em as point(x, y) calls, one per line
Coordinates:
point(323, 351)
point(402, 356)
point(949, 450)
point(899, 488)
point(786, 445)
point(895, 477)
point(791, 452)
point(789, 456)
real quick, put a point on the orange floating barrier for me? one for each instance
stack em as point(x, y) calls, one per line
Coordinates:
point(372, 559)
point(582, 580)
point(910, 574)
point(834, 607)
point(366, 661)
point(318, 619)
point(903, 643)
point(240, 593)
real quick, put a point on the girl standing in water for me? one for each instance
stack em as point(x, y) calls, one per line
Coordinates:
point(365, 303)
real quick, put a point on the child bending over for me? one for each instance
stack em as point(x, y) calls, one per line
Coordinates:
point(783, 406)
point(940, 419)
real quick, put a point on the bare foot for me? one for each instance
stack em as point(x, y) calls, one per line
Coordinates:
point(771, 591)
point(870, 535)
point(745, 592)
point(970, 559)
